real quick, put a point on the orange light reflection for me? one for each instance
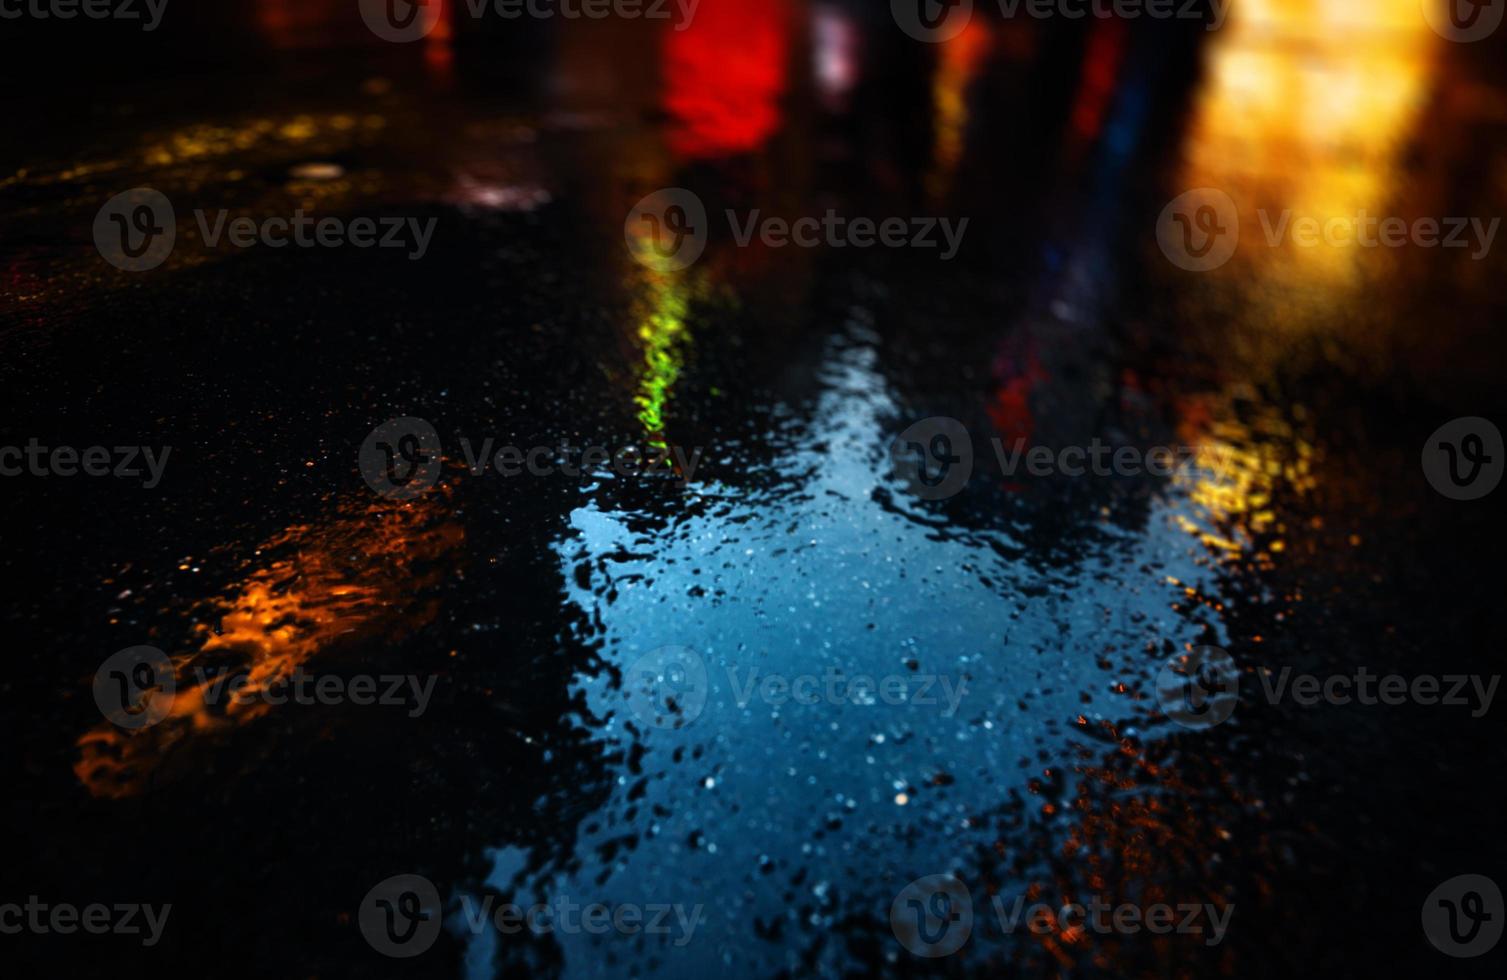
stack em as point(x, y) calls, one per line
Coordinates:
point(361, 577)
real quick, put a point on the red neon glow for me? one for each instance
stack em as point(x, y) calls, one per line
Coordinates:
point(724, 76)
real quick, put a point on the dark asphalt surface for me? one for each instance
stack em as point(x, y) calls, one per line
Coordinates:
point(1302, 533)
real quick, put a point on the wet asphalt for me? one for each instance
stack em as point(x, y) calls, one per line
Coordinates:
point(589, 651)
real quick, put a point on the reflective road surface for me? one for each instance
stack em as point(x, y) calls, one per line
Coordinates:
point(744, 691)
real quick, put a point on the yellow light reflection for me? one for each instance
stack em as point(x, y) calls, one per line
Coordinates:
point(1307, 109)
point(958, 65)
point(1239, 465)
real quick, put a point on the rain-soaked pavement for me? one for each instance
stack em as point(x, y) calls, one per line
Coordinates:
point(748, 695)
